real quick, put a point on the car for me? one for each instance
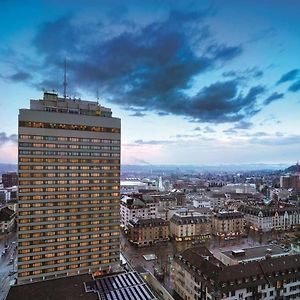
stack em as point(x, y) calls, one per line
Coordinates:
point(11, 273)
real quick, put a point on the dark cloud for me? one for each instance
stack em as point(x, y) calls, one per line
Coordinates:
point(4, 138)
point(162, 114)
point(242, 125)
point(137, 114)
point(20, 76)
point(149, 67)
point(197, 128)
point(245, 74)
point(275, 96)
point(289, 76)
point(295, 87)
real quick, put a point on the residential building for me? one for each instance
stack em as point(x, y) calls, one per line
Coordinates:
point(137, 206)
point(69, 174)
point(228, 223)
point(189, 225)
point(290, 181)
point(146, 232)
point(197, 274)
point(9, 179)
point(266, 218)
point(7, 220)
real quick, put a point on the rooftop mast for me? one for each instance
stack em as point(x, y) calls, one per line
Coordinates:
point(65, 79)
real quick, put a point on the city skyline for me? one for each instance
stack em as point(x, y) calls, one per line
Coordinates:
point(193, 83)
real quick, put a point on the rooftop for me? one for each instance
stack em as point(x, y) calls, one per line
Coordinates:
point(118, 287)
point(51, 102)
point(255, 253)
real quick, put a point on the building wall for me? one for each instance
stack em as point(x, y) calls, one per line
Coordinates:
point(68, 210)
point(227, 226)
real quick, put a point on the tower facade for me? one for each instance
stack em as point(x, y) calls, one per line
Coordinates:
point(69, 176)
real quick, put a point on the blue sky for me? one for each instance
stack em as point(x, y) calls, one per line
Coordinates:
point(195, 82)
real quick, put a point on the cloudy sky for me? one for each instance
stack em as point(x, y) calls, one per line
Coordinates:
point(195, 82)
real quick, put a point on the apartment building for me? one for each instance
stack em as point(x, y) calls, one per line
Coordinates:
point(146, 232)
point(197, 274)
point(137, 206)
point(228, 223)
point(267, 218)
point(189, 225)
point(69, 175)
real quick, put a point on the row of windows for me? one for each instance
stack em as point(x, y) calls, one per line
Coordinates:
point(69, 245)
point(81, 174)
point(53, 219)
point(50, 237)
point(67, 189)
point(66, 268)
point(65, 225)
point(67, 210)
point(71, 167)
point(66, 260)
point(69, 146)
point(68, 126)
point(66, 153)
point(70, 161)
point(67, 222)
point(67, 139)
point(71, 202)
point(38, 253)
point(64, 182)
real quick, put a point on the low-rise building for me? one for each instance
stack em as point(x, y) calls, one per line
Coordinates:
point(146, 232)
point(189, 225)
point(7, 220)
point(197, 274)
point(136, 206)
point(228, 223)
point(267, 218)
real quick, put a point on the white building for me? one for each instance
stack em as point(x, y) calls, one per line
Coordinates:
point(134, 207)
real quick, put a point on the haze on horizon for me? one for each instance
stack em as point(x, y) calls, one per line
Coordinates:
point(194, 82)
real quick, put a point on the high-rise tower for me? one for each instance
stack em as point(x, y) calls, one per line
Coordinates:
point(69, 174)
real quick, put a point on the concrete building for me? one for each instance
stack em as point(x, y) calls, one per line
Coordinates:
point(290, 182)
point(228, 223)
point(137, 206)
point(197, 274)
point(9, 179)
point(7, 220)
point(267, 218)
point(69, 175)
point(146, 232)
point(187, 225)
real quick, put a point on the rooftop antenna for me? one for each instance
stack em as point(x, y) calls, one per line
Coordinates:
point(97, 95)
point(65, 79)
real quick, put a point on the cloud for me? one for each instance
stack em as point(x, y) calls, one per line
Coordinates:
point(208, 129)
point(278, 140)
point(197, 128)
point(289, 76)
point(153, 142)
point(151, 66)
point(275, 96)
point(243, 125)
point(4, 138)
point(295, 87)
point(20, 76)
point(245, 74)
point(137, 114)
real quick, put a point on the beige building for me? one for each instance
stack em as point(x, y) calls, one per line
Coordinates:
point(188, 225)
point(228, 223)
point(146, 232)
point(69, 174)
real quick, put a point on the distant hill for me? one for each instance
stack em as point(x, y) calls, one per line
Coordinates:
point(8, 168)
point(292, 169)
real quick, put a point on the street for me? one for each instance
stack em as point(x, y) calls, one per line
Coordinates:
point(5, 266)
